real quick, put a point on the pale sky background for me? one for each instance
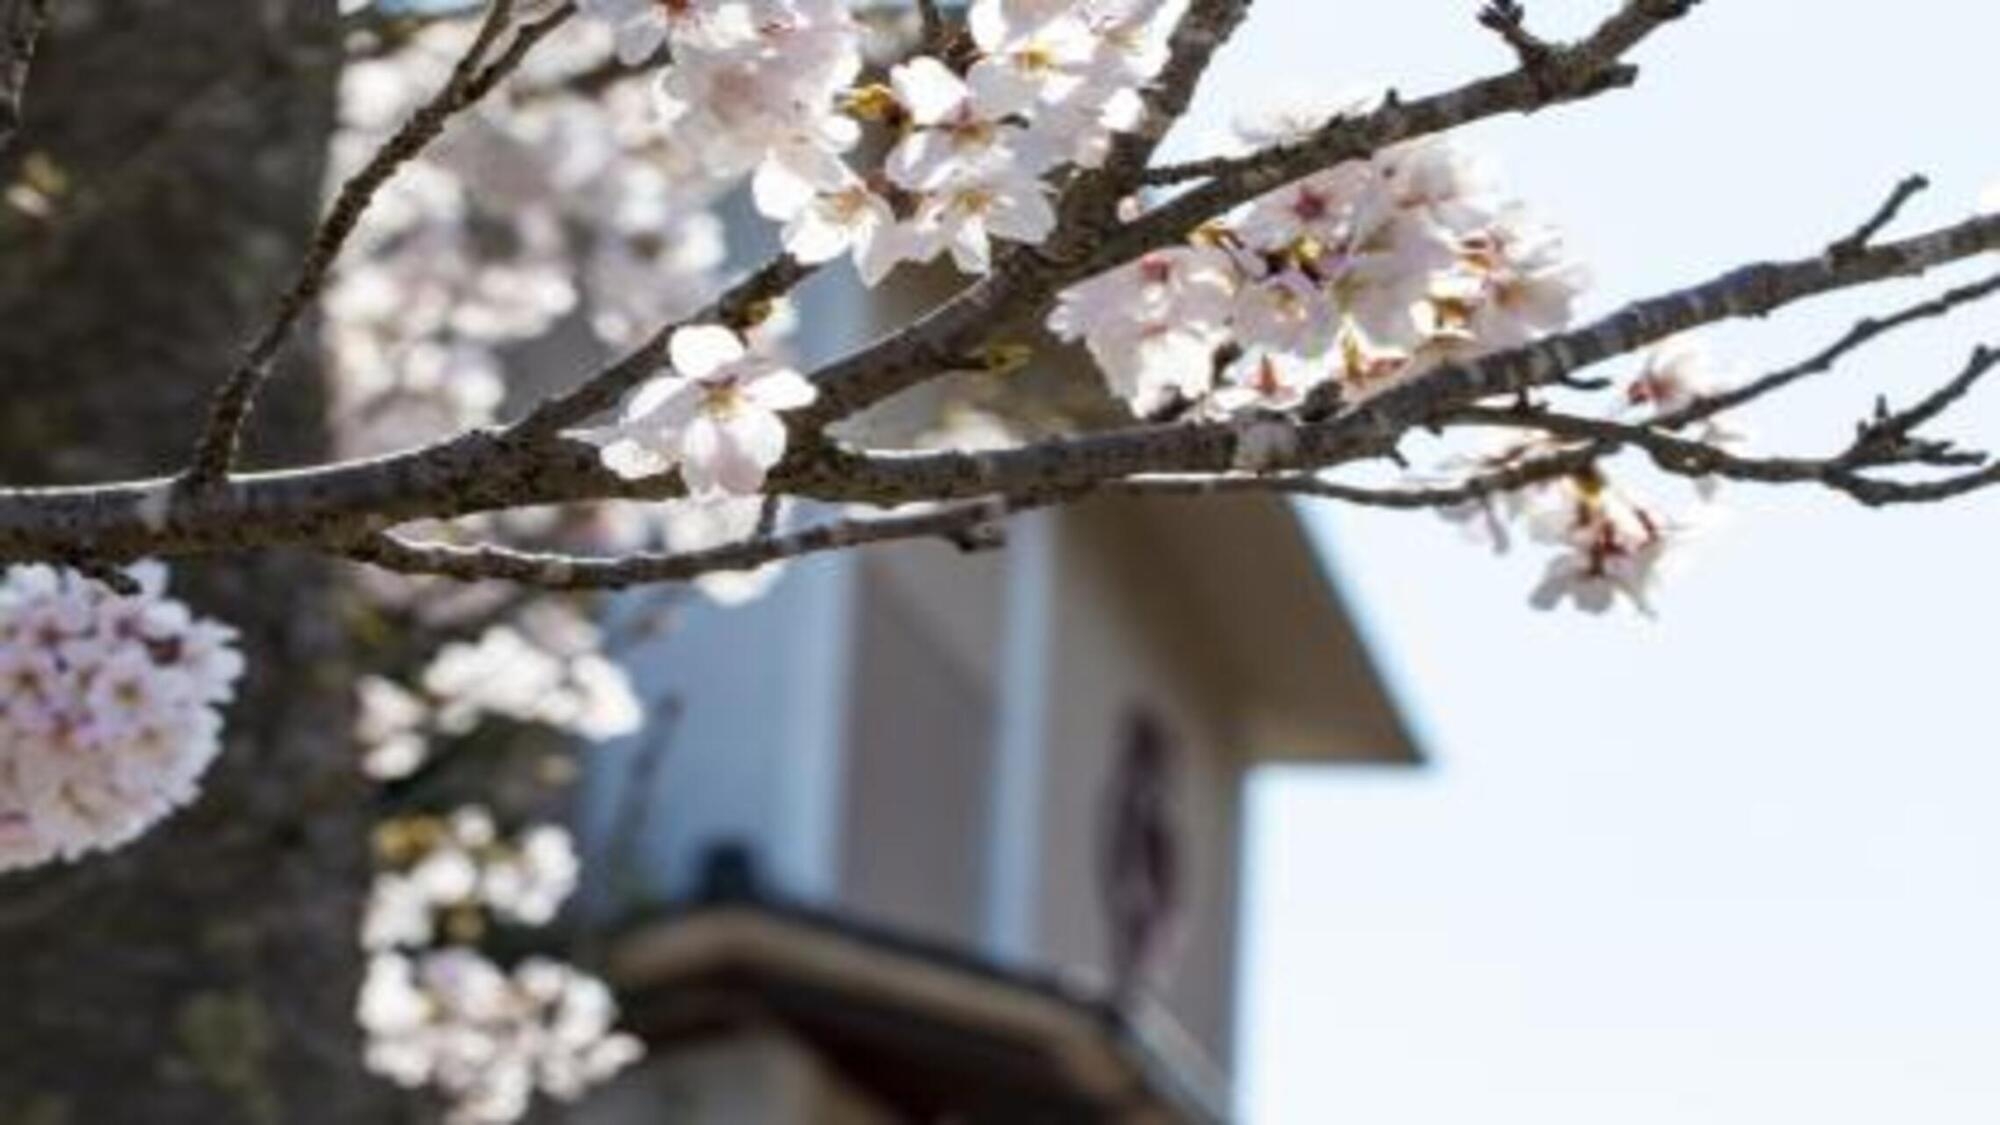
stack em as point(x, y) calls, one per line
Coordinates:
point(1736, 866)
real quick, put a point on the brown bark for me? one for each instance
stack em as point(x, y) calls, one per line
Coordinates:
point(205, 973)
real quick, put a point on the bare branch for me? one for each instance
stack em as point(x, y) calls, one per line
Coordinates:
point(1864, 332)
point(472, 78)
point(1509, 478)
point(1885, 441)
point(567, 572)
point(1889, 437)
point(1906, 190)
point(1509, 20)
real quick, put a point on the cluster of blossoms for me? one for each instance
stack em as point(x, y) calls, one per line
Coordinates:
point(488, 1039)
point(447, 874)
point(769, 89)
point(555, 209)
point(448, 1018)
point(436, 1011)
point(523, 218)
point(108, 717)
point(1048, 86)
point(1361, 276)
point(547, 669)
point(1608, 543)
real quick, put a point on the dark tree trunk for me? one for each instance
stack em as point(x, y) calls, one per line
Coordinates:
point(163, 188)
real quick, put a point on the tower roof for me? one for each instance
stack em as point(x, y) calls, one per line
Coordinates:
point(1246, 592)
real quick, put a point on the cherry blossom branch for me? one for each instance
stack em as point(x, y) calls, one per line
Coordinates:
point(1373, 428)
point(1566, 73)
point(347, 507)
point(1884, 441)
point(1747, 292)
point(1090, 242)
point(471, 79)
point(961, 524)
point(1021, 279)
point(333, 506)
point(21, 25)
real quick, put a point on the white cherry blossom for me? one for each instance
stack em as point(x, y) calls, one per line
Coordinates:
point(966, 216)
point(506, 672)
point(850, 219)
point(959, 131)
point(488, 1039)
point(715, 416)
point(642, 27)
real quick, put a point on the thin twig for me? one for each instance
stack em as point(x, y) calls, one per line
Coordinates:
point(1510, 478)
point(1862, 333)
point(1884, 442)
point(471, 79)
point(1509, 20)
point(1909, 188)
point(568, 572)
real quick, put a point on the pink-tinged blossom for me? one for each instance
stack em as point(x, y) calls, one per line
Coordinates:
point(108, 710)
point(1286, 312)
point(1676, 375)
point(1372, 272)
point(1516, 282)
point(1194, 284)
point(1610, 546)
point(1611, 555)
point(1318, 207)
point(1267, 381)
point(1151, 365)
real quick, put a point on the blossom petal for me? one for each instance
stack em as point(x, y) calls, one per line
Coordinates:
point(730, 457)
point(780, 191)
point(781, 389)
point(928, 89)
point(703, 349)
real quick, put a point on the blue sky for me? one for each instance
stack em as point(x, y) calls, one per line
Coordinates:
point(1737, 865)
